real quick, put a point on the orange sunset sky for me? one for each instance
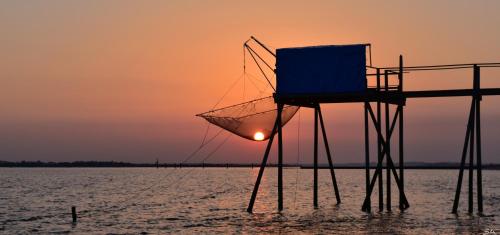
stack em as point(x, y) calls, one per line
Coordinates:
point(122, 80)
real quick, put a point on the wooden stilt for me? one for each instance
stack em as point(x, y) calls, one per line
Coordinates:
point(378, 171)
point(280, 159)
point(329, 156)
point(401, 158)
point(380, 157)
point(479, 165)
point(367, 158)
point(315, 190)
point(387, 142)
point(462, 162)
point(401, 134)
point(262, 167)
point(398, 181)
point(471, 161)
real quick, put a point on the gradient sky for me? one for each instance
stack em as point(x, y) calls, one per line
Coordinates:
point(122, 80)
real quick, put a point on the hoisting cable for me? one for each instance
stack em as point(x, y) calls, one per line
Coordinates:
point(203, 160)
point(228, 90)
point(141, 191)
point(255, 78)
point(263, 46)
point(244, 70)
point(252, 52)
point(204, 142)
point(260, 68)
point(206, 133)
point(255, 85)
point(257, 54)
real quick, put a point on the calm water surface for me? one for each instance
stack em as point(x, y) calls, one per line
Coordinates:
point(214, 200)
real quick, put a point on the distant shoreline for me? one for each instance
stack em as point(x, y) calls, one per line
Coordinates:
point(113, 164)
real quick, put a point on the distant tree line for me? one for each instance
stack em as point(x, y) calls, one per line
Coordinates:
point(409, 165)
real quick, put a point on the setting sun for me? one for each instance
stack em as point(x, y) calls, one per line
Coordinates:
point(258, 136)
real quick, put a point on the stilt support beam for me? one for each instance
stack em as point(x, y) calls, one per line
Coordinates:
point(367, 157)
point(315, 184)
point(384, 146)
point(472, 138)
point(329, 155)
point(401, 134)
point(390, 164)
point(261, 169)
point(280, 158)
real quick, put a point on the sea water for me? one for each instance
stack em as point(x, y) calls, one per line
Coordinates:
point(214, 200)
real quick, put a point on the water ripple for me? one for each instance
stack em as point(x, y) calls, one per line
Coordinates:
point(212, 200)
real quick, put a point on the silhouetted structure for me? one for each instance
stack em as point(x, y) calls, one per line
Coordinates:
point(309, 76)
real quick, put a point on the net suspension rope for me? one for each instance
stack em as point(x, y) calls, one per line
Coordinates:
point(124, 204)
point(253, 119)
point(205, 141)
point(213, 137)
point(251, 52)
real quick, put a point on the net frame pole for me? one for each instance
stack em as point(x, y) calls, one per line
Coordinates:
point(263, 46)
point(261, 169)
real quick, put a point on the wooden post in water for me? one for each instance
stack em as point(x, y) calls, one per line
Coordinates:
point(367, 157)
point(474, 122)
point(261, 169)
point(379, 144)
point(401, 142)
point(462, 162)
point(379, 169)
point(471, 158)
point(387, 142)
point(315, 190)
point(479, 165)
point(73, 213)
point(329, 156)
point(280, 158)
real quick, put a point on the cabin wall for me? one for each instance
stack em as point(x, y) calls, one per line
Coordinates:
point(321, 70)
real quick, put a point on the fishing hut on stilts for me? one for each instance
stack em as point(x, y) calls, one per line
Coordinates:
point(310, 76)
